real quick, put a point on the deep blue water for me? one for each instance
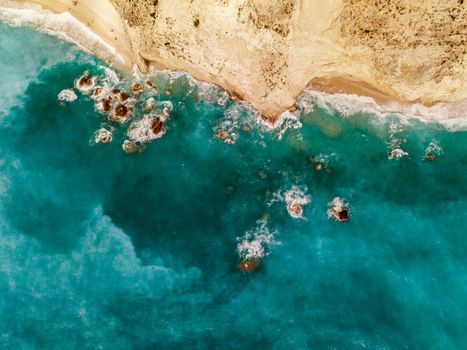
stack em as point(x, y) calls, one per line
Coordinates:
point(103, 249)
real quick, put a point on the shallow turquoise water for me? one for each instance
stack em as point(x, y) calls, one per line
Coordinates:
point(102, 249)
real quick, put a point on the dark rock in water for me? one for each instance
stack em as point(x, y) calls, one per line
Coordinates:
point(103, 136)
point(86, 81)
point(221, 134)
point(123, 96)
point(97, 91)
point(295, 209)
point(121, 112)
point(137, 88)
point(318, 165)
point(131, 147)
point(151, 85)
point(106, 105)
point(157, 125)
point(343, 215)
point(249, 265)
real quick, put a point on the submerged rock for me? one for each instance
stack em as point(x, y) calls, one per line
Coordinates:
point(433, 151)
point(151, 85)
point(338, 209)
point(103, 136)
point(104, 105)
point(249, 265)
point(397, 153)
point(149, 104)
point(137, 89)
point(321, 161)
point(129, 147)
point(97, 93)
point(85, 83)
point(221, 134)
point(295, 209)
point(148, 128)
point(121, 113)
point(295, 199)
point(157, 126)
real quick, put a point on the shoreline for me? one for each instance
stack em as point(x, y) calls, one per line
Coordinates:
point(340, 90)
point(102, 32)
point(94, 27)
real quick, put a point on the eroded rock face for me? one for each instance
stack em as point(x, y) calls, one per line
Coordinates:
point(267, 51)
point(270, 15)
point(218, 41)
point(408, 40)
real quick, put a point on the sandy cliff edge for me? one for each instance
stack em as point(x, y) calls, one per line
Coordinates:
point(266, 52)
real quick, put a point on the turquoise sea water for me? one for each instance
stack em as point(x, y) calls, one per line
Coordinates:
point(100, 249)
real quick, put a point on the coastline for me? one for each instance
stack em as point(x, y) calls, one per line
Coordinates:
point(98, 28)
point(93, 26)
point(368, 98)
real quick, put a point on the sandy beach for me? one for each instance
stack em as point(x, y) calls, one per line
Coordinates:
point(267, 52)
point(85, 18)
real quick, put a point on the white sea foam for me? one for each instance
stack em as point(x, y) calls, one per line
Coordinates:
point(149, 103)
point(395, 150)
point(240, 115)
point(132, 147)
point(294, 198)
point(166, 106)
point(325, 159)
point(229, 126)
point(452, 115)
point(433, 149)
point(336, 205)
point(111, 99)
point(286, 121)
point(110, 76)
point(256, 243)
point(209, 92)
point(103, 136)
point(67, 95)
point(205, 91)
point(62, 25)
point(107, 82)
point(397, 153)
point(306, 103)
point(142, 129)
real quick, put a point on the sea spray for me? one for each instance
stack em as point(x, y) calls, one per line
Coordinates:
point(257, 242)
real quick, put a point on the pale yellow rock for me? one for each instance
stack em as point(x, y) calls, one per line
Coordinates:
point(268, 51)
